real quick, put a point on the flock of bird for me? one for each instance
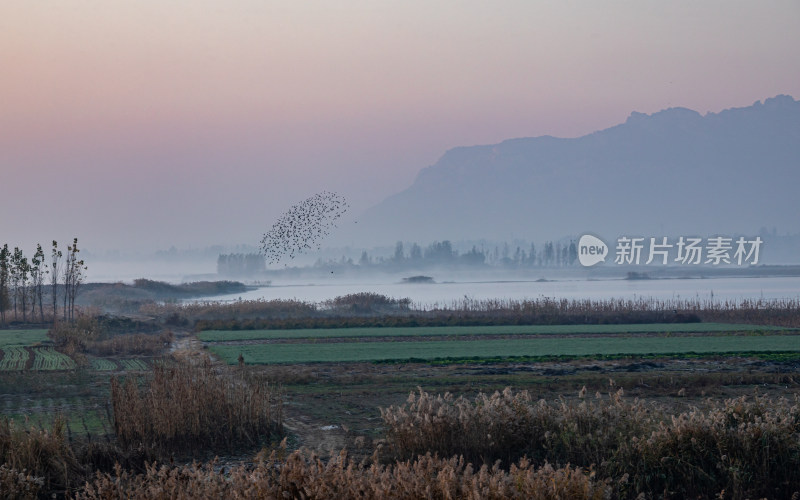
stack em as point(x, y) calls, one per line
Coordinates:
point(303, 227)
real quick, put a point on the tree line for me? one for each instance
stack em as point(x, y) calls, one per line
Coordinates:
point(238, 264)
point(25, 282)
point(550, 254)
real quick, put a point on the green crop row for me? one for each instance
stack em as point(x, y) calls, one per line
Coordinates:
point(385, 351)
point(133, 364)
point(101, 364)
point(237, 335)
point(47, 358)
point(14, 358)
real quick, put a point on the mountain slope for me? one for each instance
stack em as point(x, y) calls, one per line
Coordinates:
point(674, 172)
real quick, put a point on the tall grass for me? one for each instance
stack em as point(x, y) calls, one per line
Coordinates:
point(507, 426)
point(364, 310)
point(545, 310)
point(366, 302)
point(188, 406)
point(16, 485)
point(746, 447)
point(34, 459)
point(131, 344)
point(309, 477)
point(89, 334)
point(242, 309)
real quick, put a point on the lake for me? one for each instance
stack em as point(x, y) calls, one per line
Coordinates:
point(444, 294)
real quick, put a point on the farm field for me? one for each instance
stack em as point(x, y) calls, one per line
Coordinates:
point(14, 358)
point(39, 383)
point(240, 335)
point(335, 384)
point(563, 346)
point(30, 350)
point(24, 350)
point(47, 358)
point(16, 338)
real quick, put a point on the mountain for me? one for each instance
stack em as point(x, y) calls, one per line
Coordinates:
point(674, 172)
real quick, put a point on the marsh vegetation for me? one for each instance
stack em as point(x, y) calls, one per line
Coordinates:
point(137, 408)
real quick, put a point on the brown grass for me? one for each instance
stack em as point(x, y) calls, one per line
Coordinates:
point(143, 344)
point(36, 458)
point(88, 334)
point(73, 336)
point(16, 485)
point(302, 476)
point(186, 407)
point(366, 310)
point(507, 426)
point(240, 309)
point(746, 447)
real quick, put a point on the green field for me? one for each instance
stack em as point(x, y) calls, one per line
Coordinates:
point(21, 338)
point(384, 351)
point(47, 358)
point(44, 358)
point(133, 364)
point(239, 335)
point(101, 364)
point(13, 358)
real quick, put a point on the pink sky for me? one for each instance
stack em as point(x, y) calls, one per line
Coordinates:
point(173, 122)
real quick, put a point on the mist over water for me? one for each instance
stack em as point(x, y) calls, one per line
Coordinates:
point(446, 294)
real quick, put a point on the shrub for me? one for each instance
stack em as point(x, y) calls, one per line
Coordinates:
point(366, 302)
point(72, 337)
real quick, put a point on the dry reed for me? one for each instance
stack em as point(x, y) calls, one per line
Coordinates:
point(188, 406)
point(34, 459)
point(143, 344)
point(309, 477)
point(507, 426)
point(365, 310)
point(746, 447)
point(16, 485)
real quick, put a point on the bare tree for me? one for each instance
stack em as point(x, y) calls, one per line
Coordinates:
point(23, 275)
point(15, 278)
point(73, 278)
point(4, 279)
point(69, 266)
point(38, 270)
point(55, 274)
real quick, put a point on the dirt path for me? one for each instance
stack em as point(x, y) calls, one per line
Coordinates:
point(310, 434)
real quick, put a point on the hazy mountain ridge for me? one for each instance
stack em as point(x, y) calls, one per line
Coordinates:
point(671, 172)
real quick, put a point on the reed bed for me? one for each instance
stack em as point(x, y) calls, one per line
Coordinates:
point(144, 344)
point(748, 448)
point(365, 302)
point(309, 477)
point(507, 426)
point(16, 485)
point(365, 310)
point(742, 448)
point(33, 459)
point(188, 406)
point(779, 312)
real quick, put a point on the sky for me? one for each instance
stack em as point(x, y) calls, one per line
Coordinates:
point(138, 126)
